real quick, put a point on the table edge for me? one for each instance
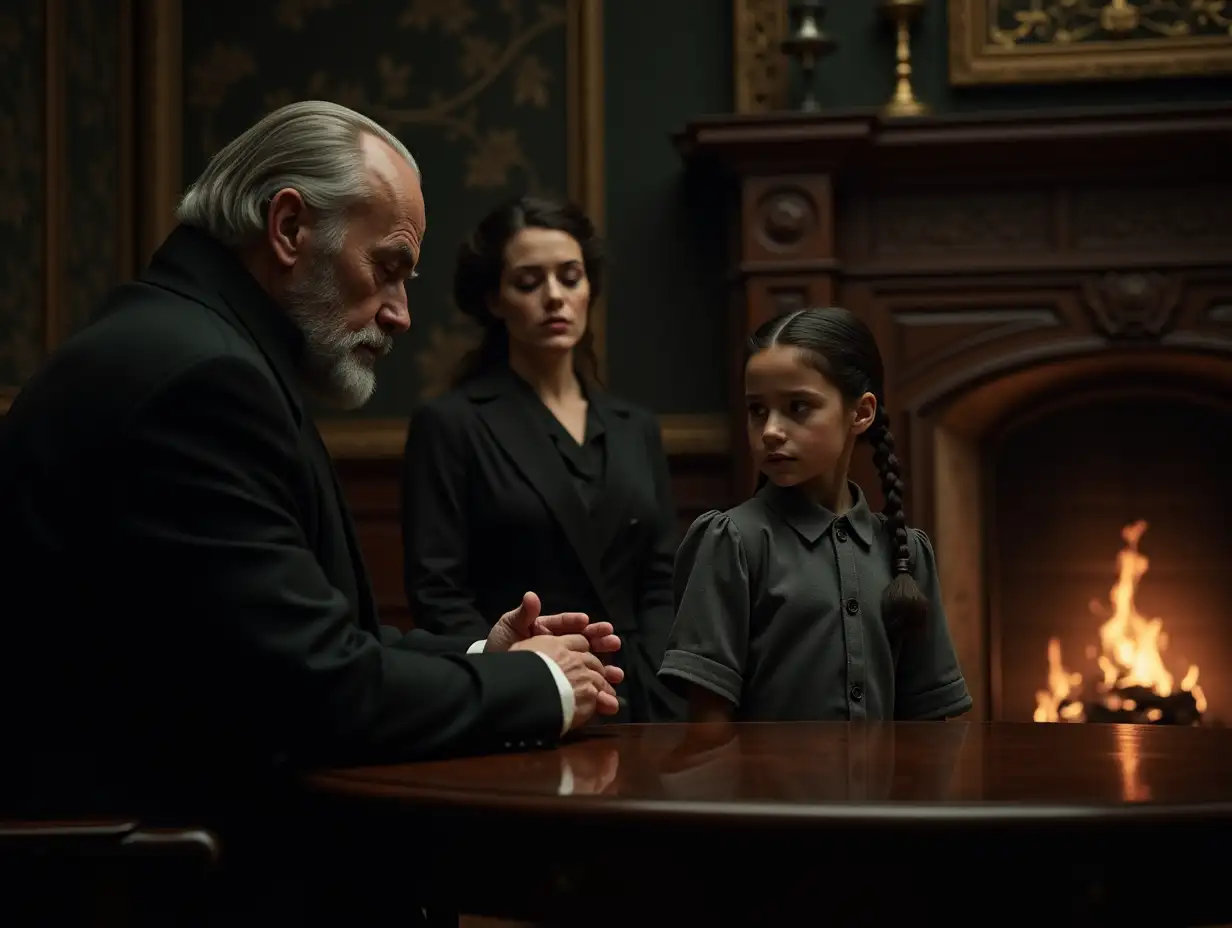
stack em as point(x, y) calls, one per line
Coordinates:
point(440, 800)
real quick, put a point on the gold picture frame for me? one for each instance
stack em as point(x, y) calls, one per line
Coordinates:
point(759, 69)
point(1038, 42)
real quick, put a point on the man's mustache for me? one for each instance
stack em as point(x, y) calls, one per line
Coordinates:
point(378, 342)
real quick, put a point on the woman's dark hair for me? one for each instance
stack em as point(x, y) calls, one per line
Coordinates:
point(481, 259)
point(842, 348)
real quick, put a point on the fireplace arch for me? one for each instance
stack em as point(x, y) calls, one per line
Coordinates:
point(959, 433)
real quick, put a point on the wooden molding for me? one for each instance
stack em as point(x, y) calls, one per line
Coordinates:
point(350, 439)
point(382, 439)
point(584, 107)
point(585, 133)
point(160, 90)
point(55, 173)
point(379, 439)
point(1087, 144)
point(696, 434)
point(126, 250)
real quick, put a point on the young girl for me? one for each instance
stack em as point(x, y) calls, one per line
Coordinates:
point(801, 603)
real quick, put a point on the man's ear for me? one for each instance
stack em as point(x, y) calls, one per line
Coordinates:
point(286, 226)
point(865, 413)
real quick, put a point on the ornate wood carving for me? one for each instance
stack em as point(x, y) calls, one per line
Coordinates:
point(789, 218)
point(959, 237)
point(788, 299)
point(1114, 217)
point(915, 223)
point(786, 215)
point(1132, 305)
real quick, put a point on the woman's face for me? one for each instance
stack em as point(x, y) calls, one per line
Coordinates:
point(544, 296)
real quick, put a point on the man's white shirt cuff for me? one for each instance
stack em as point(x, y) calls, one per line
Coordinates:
point(563, 687)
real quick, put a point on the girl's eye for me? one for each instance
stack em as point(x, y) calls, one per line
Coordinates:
point(799, 407)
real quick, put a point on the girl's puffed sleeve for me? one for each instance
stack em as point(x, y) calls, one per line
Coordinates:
point(709, 639)
point(929, 683)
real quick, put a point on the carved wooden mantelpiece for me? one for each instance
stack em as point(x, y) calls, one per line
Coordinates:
point(998, 259)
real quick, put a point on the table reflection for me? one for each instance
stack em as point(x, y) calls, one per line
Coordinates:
point(587, 770)
point(795, 763)
point(724, 762)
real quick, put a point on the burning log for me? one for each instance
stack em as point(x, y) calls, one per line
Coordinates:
point(1137, 687)
point(1141, 706)
point(1135, 705)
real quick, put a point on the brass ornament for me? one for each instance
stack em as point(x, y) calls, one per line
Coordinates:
point(903, 14)
point(807, 43)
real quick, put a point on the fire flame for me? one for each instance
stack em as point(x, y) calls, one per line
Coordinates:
point(1131, 650)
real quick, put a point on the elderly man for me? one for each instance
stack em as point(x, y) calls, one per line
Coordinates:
point(189, 617)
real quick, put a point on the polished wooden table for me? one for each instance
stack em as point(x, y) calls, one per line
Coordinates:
point(865, 822)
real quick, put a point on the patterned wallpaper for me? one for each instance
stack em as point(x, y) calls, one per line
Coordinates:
point(21, 190)
point(65, 197)
point(475, 88)
point(97, 208)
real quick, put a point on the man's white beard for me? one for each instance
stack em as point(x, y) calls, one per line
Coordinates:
point(330, 369)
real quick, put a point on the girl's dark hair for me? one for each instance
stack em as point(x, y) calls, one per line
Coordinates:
point(842, 348)
point(481, 259)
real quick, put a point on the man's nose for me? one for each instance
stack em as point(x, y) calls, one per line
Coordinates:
point(395, 315)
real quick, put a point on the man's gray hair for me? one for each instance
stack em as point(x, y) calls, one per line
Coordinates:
point(313, 146)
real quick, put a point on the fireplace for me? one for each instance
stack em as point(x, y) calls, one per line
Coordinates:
point(1056, 322)
point(1106, 530)
point(1057, 490)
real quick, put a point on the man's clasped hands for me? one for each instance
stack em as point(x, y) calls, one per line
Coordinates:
point(573, 642)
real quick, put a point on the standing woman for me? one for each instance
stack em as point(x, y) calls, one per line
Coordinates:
point(528, 447)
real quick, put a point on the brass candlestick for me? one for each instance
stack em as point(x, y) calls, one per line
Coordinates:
point(903, 14)
point(806, 43)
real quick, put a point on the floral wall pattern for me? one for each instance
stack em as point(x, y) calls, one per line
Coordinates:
point(21, 191)
point(475, 88)
point(64, 222)
point(96, 208)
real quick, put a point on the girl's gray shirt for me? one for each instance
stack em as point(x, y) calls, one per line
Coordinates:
point(778, 610)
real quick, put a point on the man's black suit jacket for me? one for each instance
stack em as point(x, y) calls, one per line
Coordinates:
point(185, 607)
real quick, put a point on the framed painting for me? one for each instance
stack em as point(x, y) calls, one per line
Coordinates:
point(1061, 41)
